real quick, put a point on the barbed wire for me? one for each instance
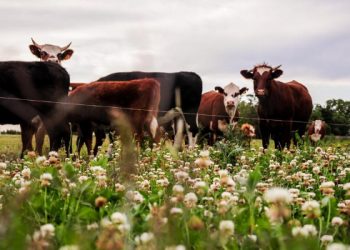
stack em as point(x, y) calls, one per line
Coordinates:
point(159, 111)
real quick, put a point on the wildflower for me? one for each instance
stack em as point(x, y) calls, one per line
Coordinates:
point(92, 226)
point(337, 246)
point(190, 200)
point(176, 210)
point(337, 221)
point(195, 223)
point(327, 188)
point(252, 237)
point(69, 247)
point(100, 201)
point(226, 230)
point(178, 189)
point(119, 187)
point(178, 247)
point(26, 173)
point(47, 230)
point(119, 218)
point(203, 161)
point(278, 196)
point(40, 160)
point(144, 241)
point(311, 209)
point(46, 179)
point(83, 178)
point(326, 239)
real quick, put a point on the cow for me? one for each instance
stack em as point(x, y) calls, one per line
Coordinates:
point(30, 89)
point(189, 85)
point(283, 108)
point(248, 132)
point(46, 53)
point(218, 110)
point(96, 103)
point(317, 130)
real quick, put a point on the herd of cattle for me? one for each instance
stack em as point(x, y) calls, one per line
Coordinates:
point(40, 97)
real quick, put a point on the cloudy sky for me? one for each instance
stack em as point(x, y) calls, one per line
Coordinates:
point(214, 38)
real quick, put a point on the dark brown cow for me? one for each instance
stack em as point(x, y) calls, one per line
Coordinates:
point(218, 110)
point(137, 99)
point(46, 53)
point(283, 107)
point(317, 130)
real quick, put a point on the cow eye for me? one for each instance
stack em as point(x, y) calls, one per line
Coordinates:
point(43, 53)
point(225, 94)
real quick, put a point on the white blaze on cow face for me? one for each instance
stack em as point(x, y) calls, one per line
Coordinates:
point(318, 126)
point(262, 70)
point(231, 98)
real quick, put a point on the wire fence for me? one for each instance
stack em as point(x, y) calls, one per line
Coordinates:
point(159, 111)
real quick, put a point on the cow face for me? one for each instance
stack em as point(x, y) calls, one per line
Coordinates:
point(262, 76)
point(51, 53)
point(318, 126)
point(232, 95)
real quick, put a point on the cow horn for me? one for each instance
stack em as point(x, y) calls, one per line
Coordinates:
point(66, 47)
point(36, 45)
point(277, 67)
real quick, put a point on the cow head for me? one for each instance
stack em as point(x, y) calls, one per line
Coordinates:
point(51, 53)
point(318, 125)
point(262, 76)
point(232, 95)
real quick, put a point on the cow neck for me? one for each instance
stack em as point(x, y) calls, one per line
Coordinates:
point(269, 104)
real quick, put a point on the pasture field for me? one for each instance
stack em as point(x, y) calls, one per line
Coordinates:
point(227, 196)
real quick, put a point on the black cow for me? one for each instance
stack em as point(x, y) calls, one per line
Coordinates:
point(38, 85)
point(189, 84)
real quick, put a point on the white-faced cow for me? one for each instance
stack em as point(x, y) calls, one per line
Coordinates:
point(189, 85)
point(317, 130)
point(218, 110)
point(97, 102)
point(284, 108)
point(30, 89)
point(46, 53)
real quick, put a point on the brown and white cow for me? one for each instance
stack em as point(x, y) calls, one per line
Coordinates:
point(218, 110)
point(96, 104)
point(317, 130)
point(283, 107)
point(46, 53)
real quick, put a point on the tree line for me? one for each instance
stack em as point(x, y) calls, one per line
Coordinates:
point(336, 114)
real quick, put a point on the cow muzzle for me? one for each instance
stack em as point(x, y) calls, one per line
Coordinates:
point(230, 104)
point(260, 92)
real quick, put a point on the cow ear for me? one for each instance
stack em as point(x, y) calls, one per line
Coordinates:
point(277, 73)
point(247, 74)
point(243, 90)
point(35, 50)
point(219, 89)
point(66, 55)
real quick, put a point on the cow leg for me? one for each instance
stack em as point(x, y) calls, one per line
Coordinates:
point(265, 133)
point(100, 137)
point(86, 134)
point(27, 132)
point(39, 138)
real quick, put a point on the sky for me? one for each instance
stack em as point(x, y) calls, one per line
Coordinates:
point(214, 38)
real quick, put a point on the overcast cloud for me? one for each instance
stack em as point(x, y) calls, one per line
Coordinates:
point(216, 39)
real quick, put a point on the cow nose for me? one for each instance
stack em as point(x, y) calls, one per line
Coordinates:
point(230, 104)
point(260, 92)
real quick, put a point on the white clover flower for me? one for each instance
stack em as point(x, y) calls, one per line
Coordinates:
point(337, 246)
point(176, 210)
point(119, 218)
point(40, 159)
point(337, 221)
point(327, 184)
point(277, 195)
point(119, 187)
point(311, 209)
point(92, 226)
point(178, 247)
point(47, 230)
point(138, 198)
point(326, 239)
point(310, 229)
point(346, 186)
point(178, 189)
point(226, 228)
point(69, 247)
point(252, 237)
point(53, 154)
point(105, 222)
point(83, 178)
point(26, 173)
point(46, 179)
point(190, 200)
point(144, 238)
